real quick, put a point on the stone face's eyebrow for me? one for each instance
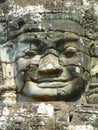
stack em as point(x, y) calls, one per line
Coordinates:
point(67, 37)
point(61, 42)
point(29, 40)
point(39, 43)
point(25, 43)
point(71, 36)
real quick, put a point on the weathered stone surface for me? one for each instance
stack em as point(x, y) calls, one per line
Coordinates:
point(48, 49)
point(3, 32)
point(26, 116)
point(48, 54)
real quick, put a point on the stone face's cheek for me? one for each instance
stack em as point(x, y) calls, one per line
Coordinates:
point(24, 71)
point(20, 64)
point(74, 71)
point(72, 89)
point(31, 73)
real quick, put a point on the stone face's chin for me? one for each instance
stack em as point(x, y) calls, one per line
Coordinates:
point(53, 90)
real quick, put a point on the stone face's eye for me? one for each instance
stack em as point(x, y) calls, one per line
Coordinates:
point(30, 53)
point(70, 52)
point(26, 57)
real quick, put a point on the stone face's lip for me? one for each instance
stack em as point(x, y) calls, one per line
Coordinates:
point(54, 79)
point(52, 84)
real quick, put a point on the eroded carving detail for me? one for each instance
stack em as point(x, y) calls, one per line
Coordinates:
point(49, 58)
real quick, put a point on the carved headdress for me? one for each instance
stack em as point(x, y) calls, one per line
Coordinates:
point(72, 16)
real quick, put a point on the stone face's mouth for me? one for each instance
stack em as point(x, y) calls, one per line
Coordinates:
point(53, 90)
point(53, 84)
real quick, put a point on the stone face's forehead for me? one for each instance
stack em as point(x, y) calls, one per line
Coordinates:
point(61, 25)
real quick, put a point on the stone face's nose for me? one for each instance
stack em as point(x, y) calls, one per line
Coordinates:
point(49, 64)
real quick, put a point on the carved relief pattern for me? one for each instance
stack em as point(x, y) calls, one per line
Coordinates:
point(48, 55)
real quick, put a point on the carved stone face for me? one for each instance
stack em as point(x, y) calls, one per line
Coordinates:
point(50, 66)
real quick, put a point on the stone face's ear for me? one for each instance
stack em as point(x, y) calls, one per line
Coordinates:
point(94, 48)
point(3, 32)
point(91, 49)
point(6, 60)
point(15, 27)
point(7, 52)
point(8, 93)
point(92, 95)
